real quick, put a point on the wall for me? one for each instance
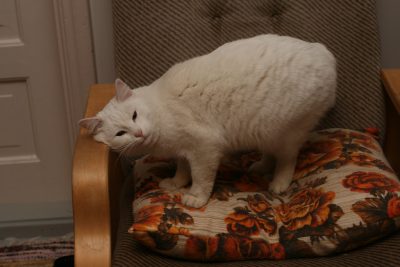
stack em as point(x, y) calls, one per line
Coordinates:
point(389, 28)
point(101, 19)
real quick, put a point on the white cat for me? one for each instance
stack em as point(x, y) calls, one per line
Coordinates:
point(264, 93)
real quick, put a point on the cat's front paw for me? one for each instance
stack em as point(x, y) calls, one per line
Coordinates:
point(193, 201)
point(168, 184)
point(279, 186)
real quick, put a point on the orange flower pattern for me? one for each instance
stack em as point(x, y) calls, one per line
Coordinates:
point(366, 182)
point(306, 208)
point(147, 218)
point(231, 247)
point(337, 149)
point(317, 154)
point(393, 207)
point(251, 219)
point(243, 220)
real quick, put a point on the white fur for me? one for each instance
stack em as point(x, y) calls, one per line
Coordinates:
point(264, 93)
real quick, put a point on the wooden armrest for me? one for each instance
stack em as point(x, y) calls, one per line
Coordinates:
point(95, 184)
point(391, 81)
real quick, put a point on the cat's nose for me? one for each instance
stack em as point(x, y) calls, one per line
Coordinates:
point(138, 133)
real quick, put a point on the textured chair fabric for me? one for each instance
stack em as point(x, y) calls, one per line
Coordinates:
point(151, 36)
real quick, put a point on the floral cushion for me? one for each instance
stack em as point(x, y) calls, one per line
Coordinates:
point(344, 195)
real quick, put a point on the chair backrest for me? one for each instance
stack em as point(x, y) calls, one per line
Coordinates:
point(150, 36)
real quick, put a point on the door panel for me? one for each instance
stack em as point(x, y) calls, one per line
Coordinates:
point(9, 23)
point(35, 156)
point(17, 140)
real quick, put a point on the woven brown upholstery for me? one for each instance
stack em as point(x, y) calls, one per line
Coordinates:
point(151, 36)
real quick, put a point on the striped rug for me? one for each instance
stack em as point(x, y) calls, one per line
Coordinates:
point(38, 251)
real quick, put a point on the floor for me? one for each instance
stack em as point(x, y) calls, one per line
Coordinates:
point(37, 251)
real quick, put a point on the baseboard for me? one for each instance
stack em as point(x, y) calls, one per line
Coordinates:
point(33, 228)
point(35, 219)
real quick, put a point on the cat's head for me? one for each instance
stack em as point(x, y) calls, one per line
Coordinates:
point(123, 123)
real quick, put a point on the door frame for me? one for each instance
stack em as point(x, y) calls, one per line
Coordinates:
point(77, 64)
point(102, 36)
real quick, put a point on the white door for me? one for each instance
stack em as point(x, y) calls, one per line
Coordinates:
point(35, 153)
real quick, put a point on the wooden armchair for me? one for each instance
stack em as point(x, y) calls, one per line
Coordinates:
point(98, 179)
point(150, 36)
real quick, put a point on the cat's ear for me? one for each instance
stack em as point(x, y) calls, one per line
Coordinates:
point(123, 91)
point(92, 124)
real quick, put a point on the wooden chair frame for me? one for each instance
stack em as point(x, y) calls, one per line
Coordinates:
point(97, 178)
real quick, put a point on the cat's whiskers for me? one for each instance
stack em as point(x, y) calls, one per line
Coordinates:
point(122, 151)
point(126, 148)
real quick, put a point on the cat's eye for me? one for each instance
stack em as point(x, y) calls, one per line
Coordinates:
point(120, 133)
point(134, 115)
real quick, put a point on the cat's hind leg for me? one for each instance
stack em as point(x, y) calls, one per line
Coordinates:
point(286, 155)
point(181, 178)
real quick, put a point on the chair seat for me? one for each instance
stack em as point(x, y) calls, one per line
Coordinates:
point(344, 195)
